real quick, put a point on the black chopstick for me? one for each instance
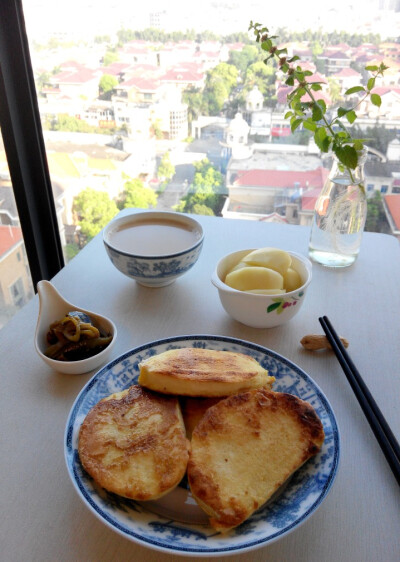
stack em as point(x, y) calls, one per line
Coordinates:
point(377, 421)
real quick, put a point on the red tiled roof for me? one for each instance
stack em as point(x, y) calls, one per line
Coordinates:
point(133, 50)
point(182, 75)
point(393, 204)
point(143, 84)
point(382, 90)
point(235, 46)
point(71, 65)
point(365, 58)
point(306, 65)
point(309, 198)
point(9, 237)
point(286, 179)
point(317, 77)
point(80, 76)
point(340, 47)
point(115, 68)
point(283, 91)
point(347, 72)
point(337, 55)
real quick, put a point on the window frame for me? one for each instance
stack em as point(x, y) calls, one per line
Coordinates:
point(25, 148)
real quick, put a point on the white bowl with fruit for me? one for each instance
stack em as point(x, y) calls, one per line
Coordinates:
point(262, 288)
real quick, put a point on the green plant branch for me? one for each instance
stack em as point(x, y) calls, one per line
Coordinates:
point(312, 115)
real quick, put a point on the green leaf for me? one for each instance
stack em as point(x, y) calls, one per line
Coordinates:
point(306, 105)
point(351, 116)
point(371, 83)
point(274, 306)
point(295, 124)
point(300, 93)
point(342, 111)
point(285, 67)
point(322, 104)
point(266, 45)
point(316, 112)
point(372, 68)
point(316, 87)
point(326, 143)
point(290, 81)
point(358, 145)
point(376, 99)
point(322, 140)
point(320, 134)
point(293, 59)
point(347, 155)
point(288, 114)
point(322, 145)
point(353, 90)
point(310, 125)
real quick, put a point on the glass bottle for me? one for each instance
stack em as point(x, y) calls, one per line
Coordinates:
point(339, 216)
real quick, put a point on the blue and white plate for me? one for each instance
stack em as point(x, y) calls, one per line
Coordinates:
point(175, 523)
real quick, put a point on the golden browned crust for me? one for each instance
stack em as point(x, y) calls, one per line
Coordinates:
point(193, 409)
point(202, 372)
point(133, 443)
point(245, 447)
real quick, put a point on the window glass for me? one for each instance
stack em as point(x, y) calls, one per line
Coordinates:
point(168, 105)
point(15, 280)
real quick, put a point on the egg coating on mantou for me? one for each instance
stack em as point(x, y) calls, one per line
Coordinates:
point(202, 372)
point(133, 443)
point(245, 448)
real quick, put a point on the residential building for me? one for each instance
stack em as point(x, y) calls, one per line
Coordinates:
point(137, 89)
point(390, 104)
point(391, 204)
point(268, 179)
point(347, 78)
point(335, 59)
point(75, 82)
point(273, 191)
point(183, 77)
point(15, 280)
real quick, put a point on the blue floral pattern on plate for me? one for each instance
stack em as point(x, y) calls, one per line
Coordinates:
point(302, 495)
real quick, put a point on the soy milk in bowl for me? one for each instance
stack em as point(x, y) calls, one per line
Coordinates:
point(153, 247)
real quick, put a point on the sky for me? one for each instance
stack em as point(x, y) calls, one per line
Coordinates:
point(221, 16)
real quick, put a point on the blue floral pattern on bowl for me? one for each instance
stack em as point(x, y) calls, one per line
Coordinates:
point(146, 523)
point(149, 269)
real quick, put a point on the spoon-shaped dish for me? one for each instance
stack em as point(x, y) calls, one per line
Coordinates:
point(53, 307)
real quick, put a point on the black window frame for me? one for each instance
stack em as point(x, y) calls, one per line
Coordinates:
point(25, 148)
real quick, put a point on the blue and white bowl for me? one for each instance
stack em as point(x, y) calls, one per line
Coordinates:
point(157, 269)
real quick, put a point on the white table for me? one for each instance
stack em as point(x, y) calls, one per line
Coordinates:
point(43, 519)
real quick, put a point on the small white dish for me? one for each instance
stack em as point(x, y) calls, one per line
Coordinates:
point(53, 307)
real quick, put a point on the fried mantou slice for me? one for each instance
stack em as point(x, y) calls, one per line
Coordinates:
point(193, 409)
point(244, 448)
point(133, 443)
point(202, 372)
